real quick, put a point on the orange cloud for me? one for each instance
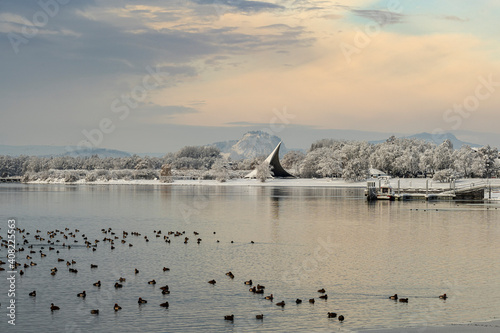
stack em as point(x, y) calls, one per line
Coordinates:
point(396, 80)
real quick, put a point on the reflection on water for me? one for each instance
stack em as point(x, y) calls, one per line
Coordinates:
point(304, 239)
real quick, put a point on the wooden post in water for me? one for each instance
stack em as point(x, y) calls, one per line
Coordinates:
point(427, 188)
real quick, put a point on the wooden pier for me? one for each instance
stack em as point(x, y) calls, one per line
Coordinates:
point(466, 192)
point(10, 179)
point(473, 192)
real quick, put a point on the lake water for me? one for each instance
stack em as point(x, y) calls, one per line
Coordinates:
point(304, 239)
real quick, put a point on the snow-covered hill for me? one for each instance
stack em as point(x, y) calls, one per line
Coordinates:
point(439, 138)
point(252, 144)
point(48, 151)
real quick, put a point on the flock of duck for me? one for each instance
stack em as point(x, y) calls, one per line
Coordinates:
point(52, 242)
point(259, 289)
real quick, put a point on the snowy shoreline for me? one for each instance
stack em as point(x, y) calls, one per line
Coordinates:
point(309, 182)
point(403, 183)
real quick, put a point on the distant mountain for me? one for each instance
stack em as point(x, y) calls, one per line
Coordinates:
point(437, 139)
point(252, 144)
point(225, 146)
point(101, 152)
point(47, 151)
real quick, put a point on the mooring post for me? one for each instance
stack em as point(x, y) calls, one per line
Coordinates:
point(427, 188)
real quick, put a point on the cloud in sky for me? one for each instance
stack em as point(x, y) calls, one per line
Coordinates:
point(220, 63)
point(455, 18)
point(240, 5)
point(382, 17)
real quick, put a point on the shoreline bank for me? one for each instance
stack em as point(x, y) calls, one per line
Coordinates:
point(402, 183)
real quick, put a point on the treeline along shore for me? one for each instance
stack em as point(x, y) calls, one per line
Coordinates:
point(327, 158)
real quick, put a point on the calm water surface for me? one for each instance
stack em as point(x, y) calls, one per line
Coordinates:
point(304, 239)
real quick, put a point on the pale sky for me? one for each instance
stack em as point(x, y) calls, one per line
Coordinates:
point(158, 75)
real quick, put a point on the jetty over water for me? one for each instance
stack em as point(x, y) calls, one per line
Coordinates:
point(10, 179)
point(471, 191)
point(474, 191)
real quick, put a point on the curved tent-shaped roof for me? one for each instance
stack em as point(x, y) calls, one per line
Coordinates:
point(273, 160)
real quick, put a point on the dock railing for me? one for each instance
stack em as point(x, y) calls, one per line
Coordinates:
point(482, 184)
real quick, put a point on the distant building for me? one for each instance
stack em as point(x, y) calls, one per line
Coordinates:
point(375, 173)
point(274, 161)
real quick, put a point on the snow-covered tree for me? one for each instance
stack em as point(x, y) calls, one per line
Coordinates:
point(292, 160)
point(355, 170)
point(330, 163)
point(309, 167)
point(426, 164)
point(444, 176)
point(442, 156)
point(264, 171)
point(463, 160)
point(220, 170)
point(384, 156)
point(488, 155)
point(143, 163)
